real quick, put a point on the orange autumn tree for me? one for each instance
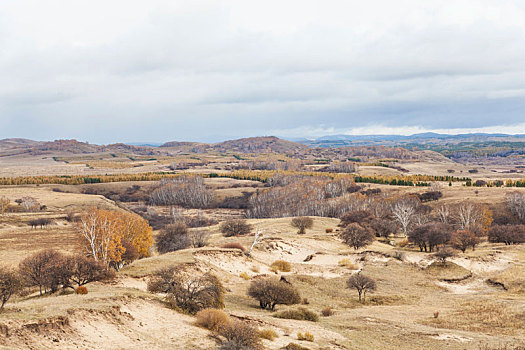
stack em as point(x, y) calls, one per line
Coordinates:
point(108, 234)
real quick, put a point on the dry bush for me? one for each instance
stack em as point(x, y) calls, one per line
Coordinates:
point(199, 238)
point(362, 284)
point(281, 265)
point(271, 291)
point(172, 238)
point(302, 223)
point(268, 334)
point(300, 313)
point(244, 276)
point(348, 264)
point(240, 335)
point(329, 230)
point(235, 227)
point(81, 290)
point(10, 284)
point(212, 319)
point(445, 253)
point(327, 311)
point(187, 292)
point(305, 336)
point(42, 222)
point(357, 236)
point(234, 245)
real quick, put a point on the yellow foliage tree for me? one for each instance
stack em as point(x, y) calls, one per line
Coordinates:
point(106, 233)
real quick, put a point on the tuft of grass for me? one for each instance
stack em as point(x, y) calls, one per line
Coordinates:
point(300, 313)
point(281, 265)
point(306, 336)
point(212, 319)
point(268, 334)
point(327, 311)
point(245, 276)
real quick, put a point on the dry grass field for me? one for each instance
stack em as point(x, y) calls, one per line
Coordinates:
point(418, 304)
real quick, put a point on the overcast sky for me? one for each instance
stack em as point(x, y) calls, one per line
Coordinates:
point(107, 71)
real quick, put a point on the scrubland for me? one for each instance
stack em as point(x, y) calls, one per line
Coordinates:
point(475, 300)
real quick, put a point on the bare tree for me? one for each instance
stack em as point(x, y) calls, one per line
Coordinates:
point(444, 214)
point(362, 284)
point(516, 204)
point(186, 191)
point(256, 240)
point(403, 211)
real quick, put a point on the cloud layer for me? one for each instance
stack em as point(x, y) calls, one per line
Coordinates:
point(206, 70)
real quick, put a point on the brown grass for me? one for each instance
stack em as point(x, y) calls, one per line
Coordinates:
point(486, 316)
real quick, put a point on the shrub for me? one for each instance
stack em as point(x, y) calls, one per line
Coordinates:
point(173, 237)
point(300, 313)
point(233, 245)
point(306, 336)
point(235, 227)
point(271, 291)
point(245, 276)
point(42, 222)
point(10, 284)
point(281, 265)
point(357, 236)
point(187, 292)
point(240, 335)
point(81, 290)
point(362, 284)
point(329, 230)
point(212, 319)
point(327, 311)
point(199, 238)
point(268, 334)
point(302, 223)
point(444, 253)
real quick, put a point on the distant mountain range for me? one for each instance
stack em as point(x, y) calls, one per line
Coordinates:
point(401, 140)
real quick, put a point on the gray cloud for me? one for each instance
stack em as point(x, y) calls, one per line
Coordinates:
point(205, 70)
